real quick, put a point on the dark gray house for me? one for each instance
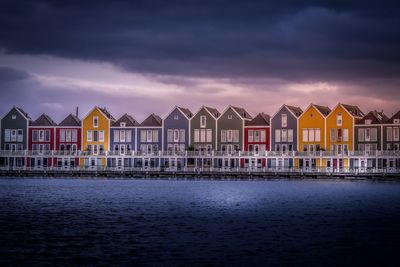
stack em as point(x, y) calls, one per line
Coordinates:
point(14, 136)
point(368, 132)
point(284, 128)
point(230, 133)
point(176, 126)
point(203, 127)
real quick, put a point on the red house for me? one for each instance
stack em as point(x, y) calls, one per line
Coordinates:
point(41, 142)
point(67, 142)
point(256, 140)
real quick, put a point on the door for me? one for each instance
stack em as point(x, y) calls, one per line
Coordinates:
point(335, 164)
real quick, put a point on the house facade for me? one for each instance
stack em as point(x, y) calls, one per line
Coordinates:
point(122, 141)
point(14, 137)
point(176, 127)
point(391, 139)
point(257, 140)
point(203, 127)
point(340, 133)
point(41, 142)
point(312, 135)
point(149, 141)
point(95, 137)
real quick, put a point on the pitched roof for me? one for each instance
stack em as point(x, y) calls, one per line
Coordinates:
point(70, 120)
point(153, 121)
point(261, 119)
point(186, 111)
point(242, 112)
point(324, 110)
point(213, 111)
point(354, 110)
point(395, 116)
point(23, 112)
point(296, 110)
point(43, 120)
point(376, 117)
point(128, 119)
point(108, 114)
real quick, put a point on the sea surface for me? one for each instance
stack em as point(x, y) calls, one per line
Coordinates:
point(117, 222)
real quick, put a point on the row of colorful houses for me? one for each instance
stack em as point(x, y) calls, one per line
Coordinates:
point(318, 128)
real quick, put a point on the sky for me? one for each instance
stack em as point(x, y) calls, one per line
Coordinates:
point(143, 57)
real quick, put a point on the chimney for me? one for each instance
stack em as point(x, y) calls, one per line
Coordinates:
point(77, 111)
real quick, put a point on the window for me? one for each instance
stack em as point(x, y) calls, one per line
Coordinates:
point(74, 135)
point(122, 124)
point(202, 121)
point(305, 135)
point(121, 136)
point(20, 135)
point(339, 121)
point(396, 121)
point(176, 135)
point(368, 121)
point(182, 136)
point(223, 136)
point(333, 135)
point(149, 136)
point(68, 136)
point(395, 133)
point(89, 136)
point(41, 135)
point(116, 135)
point(202, 135)
point(7, 135)
point(367, 134)
point(13, 135)
point(229, 136)
point(95, 136)
point(14, 117)
point(229, 117)
point(284, 120)
point(311, 135)
point(209, 135)
point(317, 135)
point(95, 149)
point(374, 134)
point(170, 135)
point(95, 121)
point(62, 135)
point(236, 136)
point(277, 135)
point(284, 135)
point(290, 135)
point(196, 135)
point(155, 136)
point(256, 136)
point(47, 135)
point(176, 117)
point(263, 135)
point(101, 136)
point(345, 135)
point(250, 137)
point(389, 134)
point(361, 134)
point(143, 136)
point(128, 136)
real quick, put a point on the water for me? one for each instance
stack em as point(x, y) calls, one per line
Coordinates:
point(78, 222)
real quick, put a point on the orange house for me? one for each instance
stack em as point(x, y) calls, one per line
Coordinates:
point(340, 134)
point(95, 137)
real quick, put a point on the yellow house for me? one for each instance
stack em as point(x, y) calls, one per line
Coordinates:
point(95, 137)
point(340, 134)
point(312, 135)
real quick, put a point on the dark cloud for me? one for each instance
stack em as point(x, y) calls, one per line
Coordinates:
point(290, 40)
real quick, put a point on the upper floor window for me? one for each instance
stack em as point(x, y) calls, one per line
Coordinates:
point(14, 117)
point(95, 121)
point(284, 120)
point(396, 121)
point(229, 117)
point(202, 121)
point(176, 117)
point(368, 121)
point(339, 120)
point(122, 124)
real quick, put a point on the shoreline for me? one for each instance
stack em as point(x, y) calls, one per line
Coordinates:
point(185, 175)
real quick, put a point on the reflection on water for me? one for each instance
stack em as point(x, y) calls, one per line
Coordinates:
point(74, 222)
